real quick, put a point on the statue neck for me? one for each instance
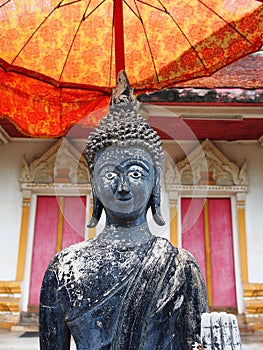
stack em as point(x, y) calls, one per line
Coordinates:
point(125, 236)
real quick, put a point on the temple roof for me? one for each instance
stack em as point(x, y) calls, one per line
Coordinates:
point(241, 81)
point(246, 73)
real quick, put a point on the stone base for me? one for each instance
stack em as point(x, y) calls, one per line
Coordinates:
point(25, 327)
point(28, 322)
point(255, 321)
point(8, 319)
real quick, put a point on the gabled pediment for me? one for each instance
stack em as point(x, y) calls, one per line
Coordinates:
point(62, 162)
point(207, 165)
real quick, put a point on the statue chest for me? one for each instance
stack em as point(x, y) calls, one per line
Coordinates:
point(95, 276)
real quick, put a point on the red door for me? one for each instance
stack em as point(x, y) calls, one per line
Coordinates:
point(207, 234)
point(51, 217)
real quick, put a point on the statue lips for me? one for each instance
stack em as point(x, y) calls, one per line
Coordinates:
point(124, 198)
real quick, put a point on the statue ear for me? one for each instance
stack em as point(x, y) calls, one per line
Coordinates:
point(97, 210)
point(155, 202)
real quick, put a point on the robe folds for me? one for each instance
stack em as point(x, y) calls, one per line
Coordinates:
point(110, 297)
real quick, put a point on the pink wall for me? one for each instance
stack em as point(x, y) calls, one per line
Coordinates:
point(221, 245)
point(45, 237)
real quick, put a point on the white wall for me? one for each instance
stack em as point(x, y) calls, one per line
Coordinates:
point(11, 200)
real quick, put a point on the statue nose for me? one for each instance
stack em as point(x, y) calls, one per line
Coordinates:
point(123, 186)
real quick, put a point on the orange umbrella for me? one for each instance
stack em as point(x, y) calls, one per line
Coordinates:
point(59, 58)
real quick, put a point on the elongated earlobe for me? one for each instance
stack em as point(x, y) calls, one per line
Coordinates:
point(97, 211)
point(155, 203)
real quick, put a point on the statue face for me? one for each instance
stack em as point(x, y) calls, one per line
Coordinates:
point(124, 178)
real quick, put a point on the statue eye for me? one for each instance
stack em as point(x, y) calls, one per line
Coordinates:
point(135, 174)
point(110, 175)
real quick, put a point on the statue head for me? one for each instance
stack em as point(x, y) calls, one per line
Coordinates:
point(126, 150)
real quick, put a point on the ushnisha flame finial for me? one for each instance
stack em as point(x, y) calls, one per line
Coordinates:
point(123, 93)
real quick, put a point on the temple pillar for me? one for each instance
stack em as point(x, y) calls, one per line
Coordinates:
point(242, 236)
point(173, 204)
point(92, 231)
point(23, 235)
point(60, 223)
point(208, 254)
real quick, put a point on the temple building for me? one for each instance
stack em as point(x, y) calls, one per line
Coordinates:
point(212, 190)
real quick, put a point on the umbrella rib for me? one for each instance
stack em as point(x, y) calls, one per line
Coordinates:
point(228, 23)
point(131, 9)
point(5, 3)
point(148, 42)
point(173, 19)
point(155, 7)
point(72, 42)
point(84, 17)
point(182, 32)
point(95, 8)
point(35, 31)
point(70, 3)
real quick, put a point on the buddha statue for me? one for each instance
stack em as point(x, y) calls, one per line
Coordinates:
point(126, 289)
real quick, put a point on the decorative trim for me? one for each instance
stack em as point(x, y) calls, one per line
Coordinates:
point(204, 189)
point(10, 296)
point(173, 203)
point(173, 222)
point(242, 239)
point(60, 224)
point(10, 287)
point(9, 304)
point(57, 188)
point(92, 231)
point(62, 162)
point(208, 159)
point(23, 239)
point(236, 251)
point(170, 172)
point(253, 297)
point(254, 306)
point(253, 290)
point(207, 165)
point(207, 254)
point(4, 137)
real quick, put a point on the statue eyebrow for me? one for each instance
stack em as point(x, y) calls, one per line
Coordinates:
point(106, 164)
point(130, 162)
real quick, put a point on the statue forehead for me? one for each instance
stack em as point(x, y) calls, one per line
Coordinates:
point(118, 154)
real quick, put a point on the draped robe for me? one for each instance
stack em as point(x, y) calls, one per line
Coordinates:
point(110, 297)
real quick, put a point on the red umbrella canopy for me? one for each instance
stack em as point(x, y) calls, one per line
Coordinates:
point(65, 46)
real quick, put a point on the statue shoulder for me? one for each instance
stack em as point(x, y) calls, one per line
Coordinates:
point(182, 257)
point(181, 253)
point(163, 243)
point(189, 262)
point(186, 256)
point(70, 254)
